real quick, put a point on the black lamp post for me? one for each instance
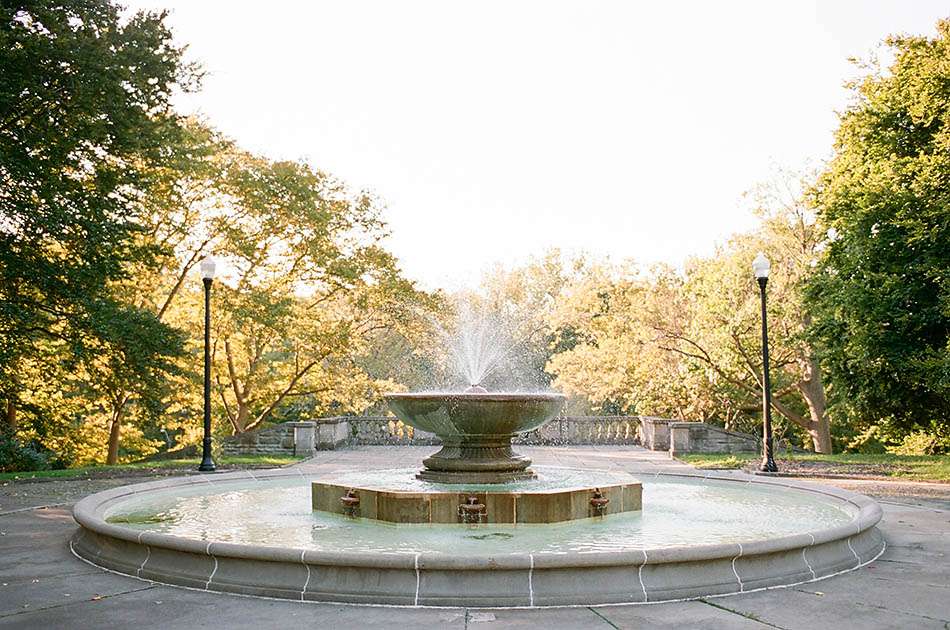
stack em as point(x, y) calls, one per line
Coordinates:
point(761, 266)
point(207, 276)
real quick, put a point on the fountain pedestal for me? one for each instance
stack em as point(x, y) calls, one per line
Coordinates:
point(476, 461)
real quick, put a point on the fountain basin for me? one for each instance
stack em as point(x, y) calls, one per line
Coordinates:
point(700, 546)
point(476, 429)
point(395, 497)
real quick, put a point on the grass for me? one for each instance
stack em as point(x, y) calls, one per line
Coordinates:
point(171, 464)
point(915, 467)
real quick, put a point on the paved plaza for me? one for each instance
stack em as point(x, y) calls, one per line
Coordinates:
point(42, 585)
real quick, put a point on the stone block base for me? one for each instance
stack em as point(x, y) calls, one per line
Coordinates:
point(501, 507)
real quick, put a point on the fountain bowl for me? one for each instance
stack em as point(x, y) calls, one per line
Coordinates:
point(476, 429)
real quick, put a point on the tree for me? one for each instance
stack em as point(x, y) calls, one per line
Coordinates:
point(606, 348)
point(723, 329)
point(307, 286)
point(183, 218)
point(687, 345)
point(84, 117)
point(881, 292)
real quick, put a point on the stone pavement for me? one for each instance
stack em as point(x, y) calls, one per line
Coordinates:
point(43, 586)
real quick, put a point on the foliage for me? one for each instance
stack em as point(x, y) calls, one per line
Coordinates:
point(109, 201)
point(934, 441)
point(688, 345)
point(307, 286)
point(84, 117)
point(16, 456)
point(881, 294)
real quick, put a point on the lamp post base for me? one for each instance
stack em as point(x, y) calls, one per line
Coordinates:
point(207, 464)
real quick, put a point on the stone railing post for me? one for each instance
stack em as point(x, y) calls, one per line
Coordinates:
point(331, 433)
point(655, 433)
point(304, 434)
point(679, 437)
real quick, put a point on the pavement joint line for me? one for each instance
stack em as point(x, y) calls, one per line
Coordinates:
point(903, 612)
point(748, 616)
point(28, 579)
point(915, 564)
point(607, 621)
point(78, 601)
point(929, 508)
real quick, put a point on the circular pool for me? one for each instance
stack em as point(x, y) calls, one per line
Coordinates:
point(697, 535)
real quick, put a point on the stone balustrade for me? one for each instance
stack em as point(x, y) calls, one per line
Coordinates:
point(658, 434)
point(585, 430)
point(385, 430)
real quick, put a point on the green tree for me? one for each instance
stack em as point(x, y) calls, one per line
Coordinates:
point(687, 344)
point(84, 118)
point(881, 295)
point(305, 287)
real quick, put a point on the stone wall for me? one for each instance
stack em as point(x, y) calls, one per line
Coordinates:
point(699, 437)
point(385, 430)
point(275, 440)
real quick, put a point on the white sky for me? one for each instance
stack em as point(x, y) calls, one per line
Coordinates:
point(496, 130)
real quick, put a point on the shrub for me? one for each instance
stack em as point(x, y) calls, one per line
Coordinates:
point(930, 442)
point(16, 456)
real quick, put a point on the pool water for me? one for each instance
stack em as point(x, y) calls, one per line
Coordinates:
point(676, 511)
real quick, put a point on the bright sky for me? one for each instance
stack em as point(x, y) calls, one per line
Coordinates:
point(496, 130)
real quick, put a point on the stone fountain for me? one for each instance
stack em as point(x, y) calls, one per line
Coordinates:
point(476, 477)
point(476, 429)
point(475, 526)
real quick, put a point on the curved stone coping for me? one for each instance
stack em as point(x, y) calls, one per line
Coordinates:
point(424, 579)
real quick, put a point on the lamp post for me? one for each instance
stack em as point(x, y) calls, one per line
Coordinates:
point(207, 276)
point(761, 266)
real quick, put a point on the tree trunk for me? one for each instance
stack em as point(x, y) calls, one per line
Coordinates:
point(821, 438)
point(10, 416)
point(115, 430)
point(813, 391)
point(243, 417)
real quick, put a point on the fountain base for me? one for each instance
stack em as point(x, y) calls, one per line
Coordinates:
point(476, 462)
point(547, 501)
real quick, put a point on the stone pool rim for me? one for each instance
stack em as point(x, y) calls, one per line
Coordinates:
point(508, 580)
